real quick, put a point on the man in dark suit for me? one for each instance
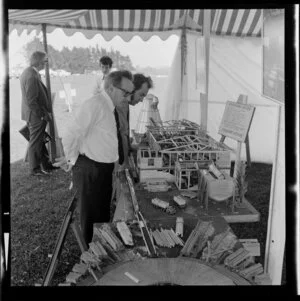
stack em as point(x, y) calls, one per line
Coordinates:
point(36, 111)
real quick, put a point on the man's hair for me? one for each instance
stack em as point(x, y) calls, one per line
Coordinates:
point(139, 79)
point(115, 78)
point(106, 60)
point(36, 57)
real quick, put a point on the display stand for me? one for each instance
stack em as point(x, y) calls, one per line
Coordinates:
point(68, 220)
point(235, 124)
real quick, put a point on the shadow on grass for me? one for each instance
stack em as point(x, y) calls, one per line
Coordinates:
point(38, 206)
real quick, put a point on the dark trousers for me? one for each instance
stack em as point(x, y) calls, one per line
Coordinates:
point(37, 152)
point(93, 182)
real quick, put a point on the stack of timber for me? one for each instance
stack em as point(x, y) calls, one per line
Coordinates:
point(125, 233)
point(179, 201)
point(189, 194)
point(236, 258)
point(221, 245)
point(157, 185)
point(165, 206)
point(105, 233)
point(166, 238)
point(198, 239)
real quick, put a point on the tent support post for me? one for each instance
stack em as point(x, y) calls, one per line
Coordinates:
point(204, 97)
point(275, 242)
point(52, 148)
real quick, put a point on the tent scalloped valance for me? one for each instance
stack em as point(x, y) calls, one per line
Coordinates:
point(144, 23)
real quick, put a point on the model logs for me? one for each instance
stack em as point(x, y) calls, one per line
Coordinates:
point(165, 206)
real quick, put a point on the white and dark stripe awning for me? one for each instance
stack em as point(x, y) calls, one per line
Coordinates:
point(237, 22)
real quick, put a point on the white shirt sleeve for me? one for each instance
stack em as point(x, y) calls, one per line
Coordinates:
point(82, 122)
point(98, 85)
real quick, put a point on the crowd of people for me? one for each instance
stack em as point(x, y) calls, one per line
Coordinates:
point(96, 146)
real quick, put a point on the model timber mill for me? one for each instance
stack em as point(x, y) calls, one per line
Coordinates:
point(176, 202)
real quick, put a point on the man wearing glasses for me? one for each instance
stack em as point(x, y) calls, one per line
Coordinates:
point(142, 84)
point(36, 111)
point(92, 147)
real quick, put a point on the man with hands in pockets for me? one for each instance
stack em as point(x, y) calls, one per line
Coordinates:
point(92, 147)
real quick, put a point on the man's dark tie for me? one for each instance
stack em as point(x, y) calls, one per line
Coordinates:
point(120, 144)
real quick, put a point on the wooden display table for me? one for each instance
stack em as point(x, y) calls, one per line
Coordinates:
point(124, 209)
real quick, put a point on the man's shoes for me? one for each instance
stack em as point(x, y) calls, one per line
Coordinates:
point(39, 172)
point(50, 167)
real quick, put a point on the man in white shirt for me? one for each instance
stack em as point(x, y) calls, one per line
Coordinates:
point(91, 149)
point(105, 64)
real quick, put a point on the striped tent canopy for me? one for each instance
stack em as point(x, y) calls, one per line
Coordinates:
point(144, 23)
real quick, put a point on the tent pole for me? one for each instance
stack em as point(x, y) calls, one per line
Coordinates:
point(204, 97)
point(52, 152)
point(183, 69)
point(275, 242)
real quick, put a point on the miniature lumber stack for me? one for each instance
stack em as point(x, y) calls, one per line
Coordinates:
point(252, 271)
point(125, 233)
point(221, 243)
point(180, 201)
point(197, 239)
point(157, 185)
point(236, 258)
point(110, 237)
point(166, 238)
point(189, 194)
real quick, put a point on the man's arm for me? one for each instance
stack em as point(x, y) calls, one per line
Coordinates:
point(97, 86)
point(32, 93)
point(125, 150)
point(77, 131)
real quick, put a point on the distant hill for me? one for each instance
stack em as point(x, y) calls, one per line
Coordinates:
point(164, 70)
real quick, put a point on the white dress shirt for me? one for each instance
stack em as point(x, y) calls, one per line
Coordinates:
point(99, 85)
point(93, 131)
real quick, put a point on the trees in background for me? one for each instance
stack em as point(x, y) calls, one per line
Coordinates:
point(79, 59)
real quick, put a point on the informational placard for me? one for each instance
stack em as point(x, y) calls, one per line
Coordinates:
point(273, 54)
point(236, 120)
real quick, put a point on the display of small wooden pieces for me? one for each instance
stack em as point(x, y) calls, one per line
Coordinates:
point(72, 277)
point(89, 258)
point(189, 194)
point(252, 245)
point(197, 239)
point(252, 271)
point(156, 202)
point(237, 257)
point(130, 276)
point(166, 238)
point(80, 268)
point(179, 226)
point(263, 279)
point(125, 233)
point(180, 201)
point(111, 237)
point(157, 185)
point(221, 243)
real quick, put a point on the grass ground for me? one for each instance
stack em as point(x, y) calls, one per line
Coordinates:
point(38, 206)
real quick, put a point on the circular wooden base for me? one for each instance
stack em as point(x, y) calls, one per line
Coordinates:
point(164, 271)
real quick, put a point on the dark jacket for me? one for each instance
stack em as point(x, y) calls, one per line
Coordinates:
point(35, 98)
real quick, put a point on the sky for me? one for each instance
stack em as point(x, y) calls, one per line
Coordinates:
point(154, 52)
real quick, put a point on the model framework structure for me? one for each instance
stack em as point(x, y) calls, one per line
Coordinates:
point(181, 140)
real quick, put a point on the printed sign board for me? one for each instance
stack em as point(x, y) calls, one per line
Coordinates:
point(236, 120)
